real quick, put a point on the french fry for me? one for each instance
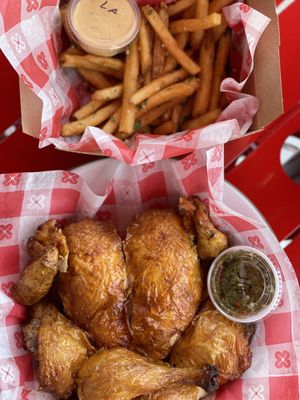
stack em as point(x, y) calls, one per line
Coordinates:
point(195, 24)
point(145, 48)
point(156, 112)
point(176, 113)
point(159, 48)
point(78, 127)
point(219, 30)
point(157, 85)
point(87, 109)
point(165, 128)
point(111, 126)
point(187, 110)
point(201, 11)
point(107, 94)
point(179, 6)
point(166, 116)
point(177, 91)
point(73, 50)
point(96, 79)
point(171, 63)
point(80, 61)
point(219, 69)
point(203, 120)
point(202, 96)
point(107, 62)
point(171, 45)
point(217, 5)
point(130, 86)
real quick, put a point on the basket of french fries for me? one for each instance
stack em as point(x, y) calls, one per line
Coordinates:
point(177, 85)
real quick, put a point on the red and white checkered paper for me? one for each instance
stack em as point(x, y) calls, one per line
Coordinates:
point(30, 37)
point(120, 191)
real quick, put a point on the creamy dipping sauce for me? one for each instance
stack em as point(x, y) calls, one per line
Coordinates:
point(101, 26)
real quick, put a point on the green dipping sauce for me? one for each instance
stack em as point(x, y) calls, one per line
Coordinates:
point(242, 283)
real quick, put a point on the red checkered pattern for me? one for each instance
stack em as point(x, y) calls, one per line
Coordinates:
point(122, 193)
point(30, 39)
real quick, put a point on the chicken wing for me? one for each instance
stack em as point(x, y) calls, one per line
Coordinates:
point(165, 281)
point(93, 288)
point(177, 392)
point(214, 339)
point(210, 241)
point(59, 347)
point(48, 252)
point(122, 374)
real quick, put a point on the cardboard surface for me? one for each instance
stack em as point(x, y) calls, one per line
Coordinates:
point(264, 82)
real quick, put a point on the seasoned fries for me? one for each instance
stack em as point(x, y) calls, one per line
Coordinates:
point(157, 85)
point(171, 45)
point(169, 80)
point(201, 11)
point(179, 6)
point(207, 56)
point(195, 24)
point(110, 93)
point(78, 127)
point(219, 69)
point(130, 86)
point(203, 120)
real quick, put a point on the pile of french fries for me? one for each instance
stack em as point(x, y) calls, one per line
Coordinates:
point(168, 80)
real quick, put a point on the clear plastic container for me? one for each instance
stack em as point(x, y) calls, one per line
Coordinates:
point(105, 27)
point(243, 284)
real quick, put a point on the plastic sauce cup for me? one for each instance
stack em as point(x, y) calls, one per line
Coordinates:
point(103, 27)
point(243, 284)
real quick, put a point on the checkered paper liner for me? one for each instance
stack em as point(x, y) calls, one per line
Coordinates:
point(119, 192)
point(30, 37)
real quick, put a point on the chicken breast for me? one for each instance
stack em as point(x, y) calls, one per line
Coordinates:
point(216, 340)
point(122, 374)
point(165, 281)
point(93, 288)
point(59, 347)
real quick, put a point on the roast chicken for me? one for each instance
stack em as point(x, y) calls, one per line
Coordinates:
point(177, 392)
point(48, 253)
point(93, 290)
point(214, 339)
point(165, 281)
point(119, 373)
point(210, 241)
point(59, 347)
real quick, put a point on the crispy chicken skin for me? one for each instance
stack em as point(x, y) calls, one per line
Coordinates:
point(122, 374)
point(48, 252)
point(59, 347)
point(36, 279)
point(177, 392)
point(165, 281)
point(214, 339)
point(93, 288)
point(210, 241)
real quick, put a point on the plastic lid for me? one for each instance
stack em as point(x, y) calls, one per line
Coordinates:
point(243, 284)
point(103, 27)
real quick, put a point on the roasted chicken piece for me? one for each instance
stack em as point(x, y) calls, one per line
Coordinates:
point(210, 241)
point(122, 374)
point(59, 347)
point(93, 288)
point(48, 252)
point(177, 392)
point(214, 339)
point(164, 279)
